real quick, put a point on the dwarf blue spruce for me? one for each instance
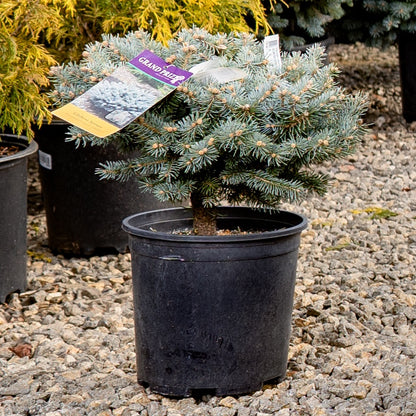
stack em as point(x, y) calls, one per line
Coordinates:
point(256, 141)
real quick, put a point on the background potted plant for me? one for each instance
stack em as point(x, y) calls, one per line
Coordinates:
point(14, 152)
point(382, 23)
point(213, 311)
point(23, 69)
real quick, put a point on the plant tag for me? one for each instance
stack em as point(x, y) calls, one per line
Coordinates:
point(45, 160)
point(271, 45)
point(120, 98)
point(222, 74)
point(212, 69)
point(204, 66)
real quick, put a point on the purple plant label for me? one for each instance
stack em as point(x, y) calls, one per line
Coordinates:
point(157, 68)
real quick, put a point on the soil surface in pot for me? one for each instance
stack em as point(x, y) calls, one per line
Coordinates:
point(220, 232)
point(8, 150)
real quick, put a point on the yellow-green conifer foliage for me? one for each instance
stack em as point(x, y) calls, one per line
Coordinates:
point(36, 33)
point(24, 63)
point(164, 18)
point(73, 23)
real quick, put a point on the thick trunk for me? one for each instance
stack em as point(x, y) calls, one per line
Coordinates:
point(204, 219)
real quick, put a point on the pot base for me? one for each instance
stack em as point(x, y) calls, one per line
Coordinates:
point(182, 391)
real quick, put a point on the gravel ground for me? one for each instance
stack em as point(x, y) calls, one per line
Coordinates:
point(67, 344)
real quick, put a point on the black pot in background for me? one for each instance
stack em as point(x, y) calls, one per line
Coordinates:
point(213, 314)
point(407, 61)
point(13, 215)
point(325, 43)
point(84, 213)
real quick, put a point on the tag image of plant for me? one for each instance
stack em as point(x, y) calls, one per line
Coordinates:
point(119, 98)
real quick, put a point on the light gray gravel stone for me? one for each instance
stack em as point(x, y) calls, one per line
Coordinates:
point(353, 343)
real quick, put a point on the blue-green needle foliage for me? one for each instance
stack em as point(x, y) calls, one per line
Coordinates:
point(377, 22)
point(258, 140)
point(305, 21)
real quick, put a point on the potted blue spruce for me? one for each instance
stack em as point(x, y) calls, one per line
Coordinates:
point(213, 283)
point(382, 23)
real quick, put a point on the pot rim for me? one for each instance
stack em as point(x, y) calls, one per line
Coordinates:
point(31, 146)
point(140, 224)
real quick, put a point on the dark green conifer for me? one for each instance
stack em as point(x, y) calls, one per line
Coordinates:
point(378, 22)
point(300, 22)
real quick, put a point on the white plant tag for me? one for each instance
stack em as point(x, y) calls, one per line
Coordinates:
point(45, 160)
point(271, 47)
point(221, 74)
point(204, 66)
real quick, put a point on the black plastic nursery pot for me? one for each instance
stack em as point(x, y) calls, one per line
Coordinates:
point(213, 314)
point(407, 61)
point(84, 213)
point(324, 43)
point(13, 214)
